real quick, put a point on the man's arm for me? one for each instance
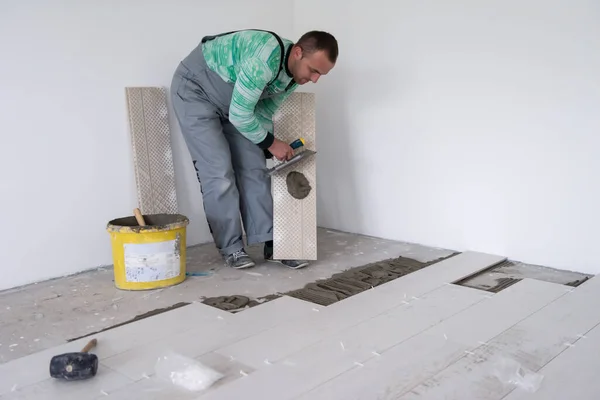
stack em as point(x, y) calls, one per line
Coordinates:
point(252, 78)
point(266, 108)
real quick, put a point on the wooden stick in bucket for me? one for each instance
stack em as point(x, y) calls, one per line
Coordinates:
point(139, 217)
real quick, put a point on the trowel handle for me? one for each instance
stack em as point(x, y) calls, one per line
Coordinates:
point(297, 143)
point(139, 217)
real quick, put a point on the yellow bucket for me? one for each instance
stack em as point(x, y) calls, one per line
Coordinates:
point(150, 256)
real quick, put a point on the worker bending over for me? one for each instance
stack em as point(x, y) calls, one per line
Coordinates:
point(224, 94)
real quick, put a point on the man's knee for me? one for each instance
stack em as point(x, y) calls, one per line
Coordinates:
point(215, 180)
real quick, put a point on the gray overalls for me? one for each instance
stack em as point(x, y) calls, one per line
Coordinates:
point(230, 168)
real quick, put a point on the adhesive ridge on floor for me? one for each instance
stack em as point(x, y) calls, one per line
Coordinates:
point(338, 287)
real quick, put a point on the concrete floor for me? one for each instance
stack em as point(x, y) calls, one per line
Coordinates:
point(40, 316)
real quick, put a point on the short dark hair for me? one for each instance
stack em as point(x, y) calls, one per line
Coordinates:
point(318, 40)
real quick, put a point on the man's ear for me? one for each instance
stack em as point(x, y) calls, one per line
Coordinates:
point(298, 52)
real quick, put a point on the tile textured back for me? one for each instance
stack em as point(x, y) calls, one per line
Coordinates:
point(152, 153)
point(294, 220)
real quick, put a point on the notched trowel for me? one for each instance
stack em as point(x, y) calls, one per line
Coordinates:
point(303, 155)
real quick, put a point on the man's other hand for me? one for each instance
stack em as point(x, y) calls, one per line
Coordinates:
point(281, 150)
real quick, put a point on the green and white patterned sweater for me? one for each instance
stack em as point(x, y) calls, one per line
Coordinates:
point(250, 60)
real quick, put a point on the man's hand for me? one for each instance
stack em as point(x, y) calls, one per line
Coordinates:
point(281, 150)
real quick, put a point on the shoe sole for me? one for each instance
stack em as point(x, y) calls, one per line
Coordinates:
point(303, 265)
point(243, 266)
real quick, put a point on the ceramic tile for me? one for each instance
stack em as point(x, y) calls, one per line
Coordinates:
point(105, 382)
point(472, 375)
point(151, 144)
point(293, 336)
point(139, 361)
point(295, 220)
point(34, 368)
point(374, 332)
point(501, 311)
point(393, 372)
point(292, 375)
point(571, 375)
point(153, 387)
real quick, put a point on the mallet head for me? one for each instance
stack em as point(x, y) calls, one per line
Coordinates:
point(75, 366)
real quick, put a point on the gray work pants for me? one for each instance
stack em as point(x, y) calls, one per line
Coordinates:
point(231, 169)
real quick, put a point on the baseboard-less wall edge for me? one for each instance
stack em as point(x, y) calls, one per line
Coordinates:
point(152, 153)
point(295, 220)
point(101, 267)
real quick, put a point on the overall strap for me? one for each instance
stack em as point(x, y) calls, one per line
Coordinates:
point(281, 47)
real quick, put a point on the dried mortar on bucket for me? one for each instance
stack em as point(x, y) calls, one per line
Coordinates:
point(154, 222)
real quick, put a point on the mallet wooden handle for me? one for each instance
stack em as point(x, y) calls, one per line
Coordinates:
point(91, 344)
point(139, 217)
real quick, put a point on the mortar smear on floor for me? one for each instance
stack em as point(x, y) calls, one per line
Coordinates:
point(338, 287)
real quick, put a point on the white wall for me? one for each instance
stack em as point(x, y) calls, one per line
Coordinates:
point(66, 165)
point(463, 124)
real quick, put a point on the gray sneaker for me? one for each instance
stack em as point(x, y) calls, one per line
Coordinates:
point(239, 260)
point(293, 264)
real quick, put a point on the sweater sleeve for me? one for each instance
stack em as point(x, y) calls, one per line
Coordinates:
point(252, 77)
point(266, 108)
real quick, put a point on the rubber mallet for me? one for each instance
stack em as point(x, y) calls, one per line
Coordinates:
point(75, 366)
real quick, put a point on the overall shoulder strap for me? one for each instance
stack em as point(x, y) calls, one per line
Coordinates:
point(213, 37)
point(281, 58)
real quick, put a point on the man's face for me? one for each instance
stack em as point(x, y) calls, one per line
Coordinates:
point(310, 67)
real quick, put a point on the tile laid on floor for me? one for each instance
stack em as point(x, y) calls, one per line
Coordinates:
point(311, 366)
point(446, 357)
point(472, 375)
point(538, 341)
point(392, 372)
point(417, 283)
point(445, 271)
point(571, 375)
point(501, 311)
point(34, 368)
point(136, 361)
point(295, 371)
point(104, 383)
point(293, 336)
point(540, 338)
point(460, 368)
point(372, 331)
point(158, 388)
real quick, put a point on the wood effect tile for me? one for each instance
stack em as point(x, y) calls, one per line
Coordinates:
point(393, 372)
point(34, 368)
point(139, 361)
point(290, 337)
point(419, 359)
point(292, 375)
point(571, 375)
point(374, 332)
point(105, 381)
point(155, 388)
point(500, 312)
point(535, 342)
point(471, 375)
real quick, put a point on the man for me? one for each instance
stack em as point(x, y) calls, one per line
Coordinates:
point(224, 95)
